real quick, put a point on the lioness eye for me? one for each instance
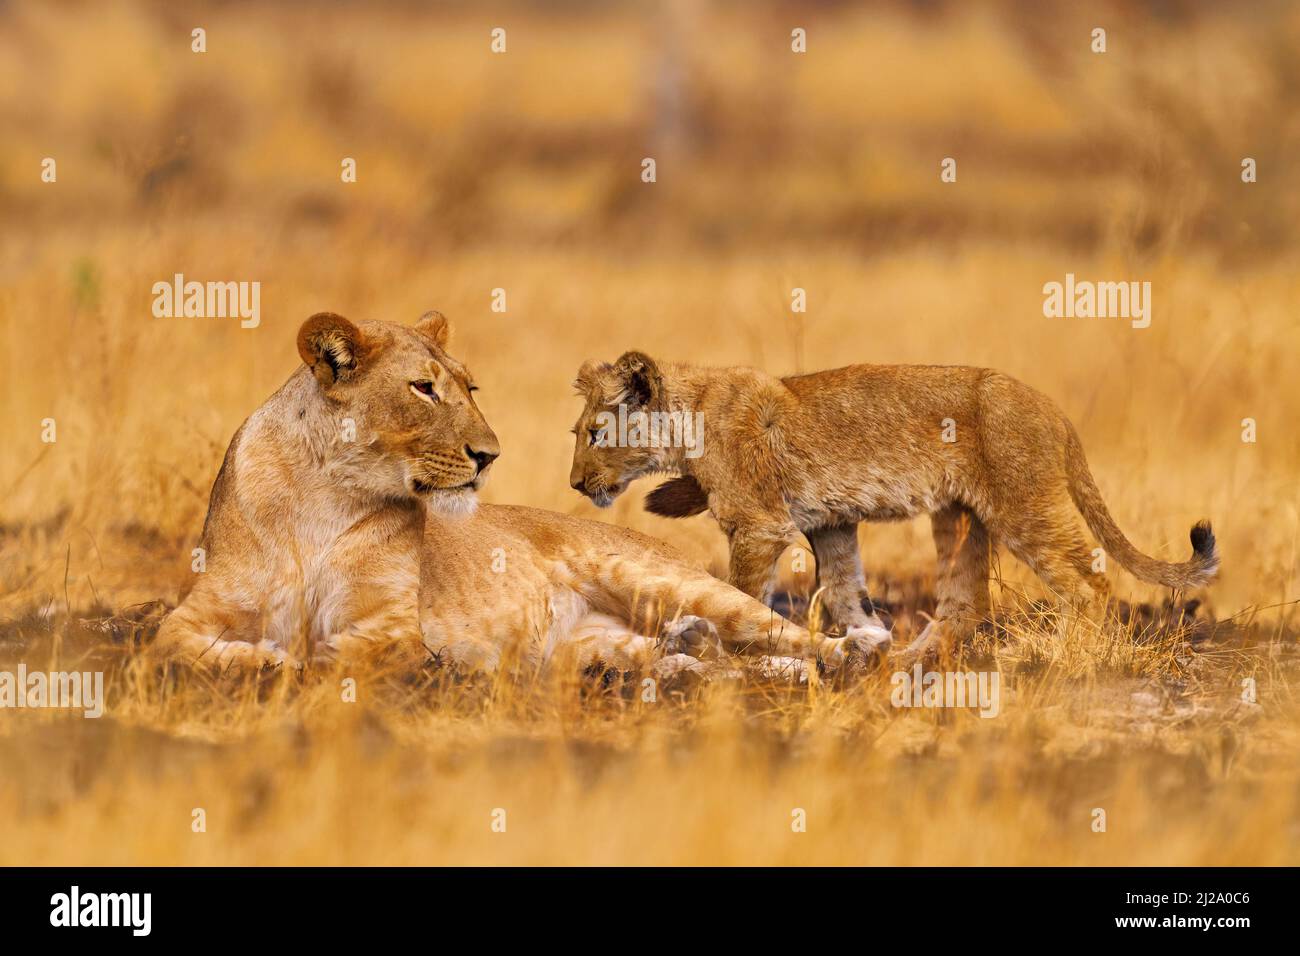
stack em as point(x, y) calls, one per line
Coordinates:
point(425, 389)
point(595, 435)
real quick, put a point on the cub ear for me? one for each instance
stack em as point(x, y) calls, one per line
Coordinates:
point(435, 327)
point(639, 377)
point(330, 346)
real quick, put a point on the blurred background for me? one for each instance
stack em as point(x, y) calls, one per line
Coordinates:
point(775, 170)
point(522, 171)
point(1134, 151)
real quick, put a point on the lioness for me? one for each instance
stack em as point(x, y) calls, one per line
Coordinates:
point(987, 457)
point(343, 518)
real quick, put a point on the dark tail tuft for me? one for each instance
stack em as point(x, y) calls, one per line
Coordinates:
point(677, 498)
point(1195, 573)
point(1203, 540)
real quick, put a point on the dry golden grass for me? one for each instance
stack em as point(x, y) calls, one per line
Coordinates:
point(521, 172)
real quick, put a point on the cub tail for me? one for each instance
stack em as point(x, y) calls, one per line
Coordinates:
point(1193, 573)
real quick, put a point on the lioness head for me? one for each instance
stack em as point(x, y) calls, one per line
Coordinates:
point(609, 452)
point(417, 431)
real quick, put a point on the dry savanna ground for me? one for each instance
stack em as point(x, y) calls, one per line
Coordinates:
point(776, 170)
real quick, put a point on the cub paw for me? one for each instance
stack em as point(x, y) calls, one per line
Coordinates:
point(693, 636)
point(934, 643)
point(861, 649)
point(869, 641)
point(867, 647)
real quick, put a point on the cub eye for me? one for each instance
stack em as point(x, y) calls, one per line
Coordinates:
point(425, 389)
point(473, 388)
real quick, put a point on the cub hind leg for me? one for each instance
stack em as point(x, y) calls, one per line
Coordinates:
point(1051, 541)
point(962, 543)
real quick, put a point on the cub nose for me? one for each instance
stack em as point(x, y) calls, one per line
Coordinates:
point(481, 458)
point(579, 484)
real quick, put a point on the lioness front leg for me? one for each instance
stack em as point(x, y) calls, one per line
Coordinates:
point(662, 590)
point(606, 643)
point(210, 636)
point(399, 650)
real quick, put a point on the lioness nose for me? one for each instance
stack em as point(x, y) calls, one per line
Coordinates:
point(481, 458)
point(578, 484)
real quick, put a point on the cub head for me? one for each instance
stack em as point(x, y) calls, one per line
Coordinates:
point(409, 426)
point(607, 454)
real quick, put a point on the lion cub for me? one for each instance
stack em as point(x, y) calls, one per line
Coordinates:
point(987, 457)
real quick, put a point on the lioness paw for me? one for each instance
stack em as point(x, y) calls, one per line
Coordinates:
point(693, 636)
point(678, 671)
point(682, 673)
point(240, 660)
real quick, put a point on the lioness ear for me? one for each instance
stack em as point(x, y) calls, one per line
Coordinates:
point(639, 377)
point(590, 376)
point(435, 327)
point(330, 346)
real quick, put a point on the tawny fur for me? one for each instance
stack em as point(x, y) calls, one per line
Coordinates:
point(816, 454)
point(343, 521)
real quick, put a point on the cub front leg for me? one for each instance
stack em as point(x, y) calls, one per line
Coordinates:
point(842, 584)
point(755, 550)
